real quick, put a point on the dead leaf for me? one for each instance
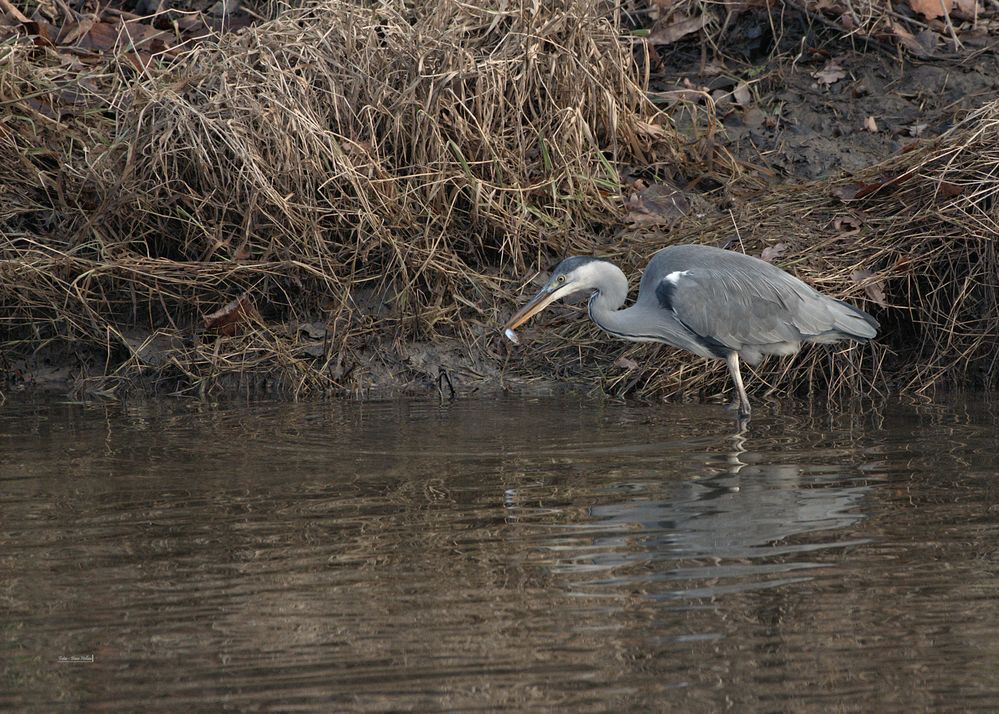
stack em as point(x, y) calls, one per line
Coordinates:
point(928, 40)
point(754, 118)
point(949, 190)
point(965, 9)
point(232, 317)
point(101, 37)
point(908, 40)
point(846, 225)
point(315, 330)
point(870, 125)
point(224, 8)
point(314, 348)
point(42, 32)
point(72, 31)
point(658, 8)
point(741, 94)
point(773, 251)
point(874, 288)
point(857, 190)
point(658, 204)
point(830, 74)
point(625, 363)
point(43, 108)
point(931, 9)
point(850, 191)
point(676, 29)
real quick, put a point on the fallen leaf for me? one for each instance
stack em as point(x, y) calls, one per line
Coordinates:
point(931, 9)
point(871, 125)
point(773, 251)
point(72, 31)
point(224, 8)
point(966, 9)
point(929, 40)
point(658, 8)
point(625, 363)
point(754, 118)
point(101, 37)
point(42, 32)
point(230, 318)
point(42, 108)
point(857, 190)
point(676, 29)
point(846, 225)
point(908, 40)
point(657, 204)
point(315, 330)
point(314, 348)
point(741, 94)
point(874, 288)
point(949, 190)
point(851, 191)
point(830, 74)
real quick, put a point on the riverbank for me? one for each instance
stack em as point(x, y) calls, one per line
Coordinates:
point(346, 200)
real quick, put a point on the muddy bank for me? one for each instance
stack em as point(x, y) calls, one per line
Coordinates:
point(348, 200)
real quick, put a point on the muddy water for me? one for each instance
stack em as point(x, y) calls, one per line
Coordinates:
point(506, 554)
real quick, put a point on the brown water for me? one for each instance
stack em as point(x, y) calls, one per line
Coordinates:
point(506, 554)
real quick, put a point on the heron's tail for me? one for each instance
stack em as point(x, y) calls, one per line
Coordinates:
point(853, 322)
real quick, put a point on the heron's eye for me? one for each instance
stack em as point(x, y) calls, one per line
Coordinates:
point(561, 279)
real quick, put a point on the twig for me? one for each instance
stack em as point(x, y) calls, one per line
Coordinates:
point(958, 45)
point(9, 8)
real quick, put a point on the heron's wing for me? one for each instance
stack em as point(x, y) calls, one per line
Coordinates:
point(737, 308)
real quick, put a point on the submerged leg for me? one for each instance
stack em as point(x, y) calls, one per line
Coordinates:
point(733, 367)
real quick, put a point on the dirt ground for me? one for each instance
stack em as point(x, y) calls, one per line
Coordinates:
point(800, 125)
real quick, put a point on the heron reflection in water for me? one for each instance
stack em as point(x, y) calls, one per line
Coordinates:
point(716, 303)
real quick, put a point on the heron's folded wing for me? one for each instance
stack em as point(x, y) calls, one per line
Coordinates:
point(737, 309)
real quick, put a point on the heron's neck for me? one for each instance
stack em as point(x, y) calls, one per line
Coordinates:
point(606, 302)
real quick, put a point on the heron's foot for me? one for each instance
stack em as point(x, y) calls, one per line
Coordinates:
point(741, 409)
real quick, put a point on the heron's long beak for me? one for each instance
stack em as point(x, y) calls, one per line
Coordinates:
point(545, 297)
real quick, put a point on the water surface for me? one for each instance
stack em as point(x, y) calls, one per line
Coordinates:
point(506, 554)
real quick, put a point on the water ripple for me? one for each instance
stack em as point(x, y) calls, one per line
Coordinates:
point(512, 554)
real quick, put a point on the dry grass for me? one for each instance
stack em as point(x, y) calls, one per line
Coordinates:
point(380, 169)
point(920, 227)
point(359, 179)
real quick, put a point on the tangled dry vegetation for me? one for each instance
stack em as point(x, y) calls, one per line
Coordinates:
point(339, 175)
point(912, 240)
point(294, 203)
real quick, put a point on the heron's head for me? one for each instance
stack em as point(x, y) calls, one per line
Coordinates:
point(571, 276)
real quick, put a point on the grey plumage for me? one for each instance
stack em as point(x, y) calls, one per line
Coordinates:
point(715, 303)
point(747, 304)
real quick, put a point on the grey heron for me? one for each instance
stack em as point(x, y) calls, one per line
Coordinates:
point(715, 303)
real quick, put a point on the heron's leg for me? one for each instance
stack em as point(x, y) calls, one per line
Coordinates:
point(733, 367)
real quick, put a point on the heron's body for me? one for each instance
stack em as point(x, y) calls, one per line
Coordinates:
point(715, 303)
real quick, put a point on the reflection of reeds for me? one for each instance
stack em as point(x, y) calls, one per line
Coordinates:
point(388, 175)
